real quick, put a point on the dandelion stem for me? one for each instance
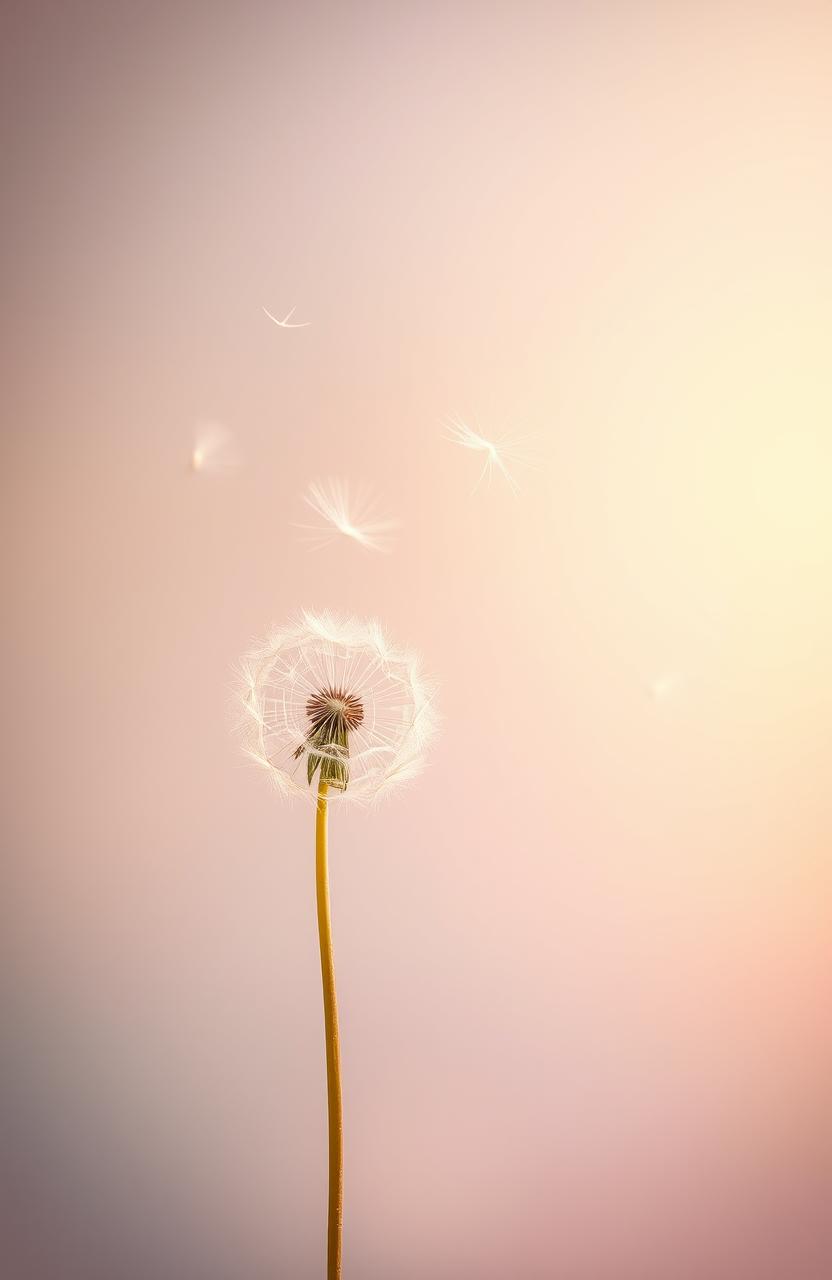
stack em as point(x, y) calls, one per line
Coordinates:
point(333, 1049)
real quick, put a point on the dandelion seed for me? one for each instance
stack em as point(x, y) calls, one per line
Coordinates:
point(497, 454)
point(664, 686)
point(342, 516)
point(336, 693)
point(214, 449)
point(284, 323)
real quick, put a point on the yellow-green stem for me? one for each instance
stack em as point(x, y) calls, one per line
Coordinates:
point(333, 1048)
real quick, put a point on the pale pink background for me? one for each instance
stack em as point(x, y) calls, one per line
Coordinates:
point(584, 962)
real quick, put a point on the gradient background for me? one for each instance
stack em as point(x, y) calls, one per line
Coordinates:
point(584, 964)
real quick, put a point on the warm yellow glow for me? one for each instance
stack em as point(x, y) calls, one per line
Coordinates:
point(792, 487)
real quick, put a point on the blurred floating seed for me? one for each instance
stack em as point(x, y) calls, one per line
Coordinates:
point(214, 449)
point(664, 686)
point(342, 515)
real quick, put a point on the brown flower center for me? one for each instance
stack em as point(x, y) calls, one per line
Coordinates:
point(333, 708)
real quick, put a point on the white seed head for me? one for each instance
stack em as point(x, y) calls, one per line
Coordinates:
point(331, 696)
point(342, 516)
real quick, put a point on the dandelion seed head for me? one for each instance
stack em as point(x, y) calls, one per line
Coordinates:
point(331, 697)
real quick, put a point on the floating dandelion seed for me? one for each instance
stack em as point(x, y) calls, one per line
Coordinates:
point(284, 323)
point(343, 516)
point(361, 713)
point(214, 449)
point(664, 686)
point(497, 454)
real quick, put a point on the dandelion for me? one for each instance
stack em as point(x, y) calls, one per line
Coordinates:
point(214, 449)
point(340, 515)
point(497, 454)
point(331, 700)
